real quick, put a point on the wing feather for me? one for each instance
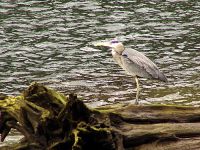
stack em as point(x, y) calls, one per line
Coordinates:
point(136, 63)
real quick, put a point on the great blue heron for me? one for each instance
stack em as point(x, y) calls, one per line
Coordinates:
point(134, 63)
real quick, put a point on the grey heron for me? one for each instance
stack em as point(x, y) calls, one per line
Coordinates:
point(134, 63)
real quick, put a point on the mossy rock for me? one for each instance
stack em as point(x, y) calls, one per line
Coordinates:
point(50, 120)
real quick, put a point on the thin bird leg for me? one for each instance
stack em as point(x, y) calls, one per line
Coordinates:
point(138, 90)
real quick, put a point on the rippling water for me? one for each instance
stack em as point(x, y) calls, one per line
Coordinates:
point(51, 42)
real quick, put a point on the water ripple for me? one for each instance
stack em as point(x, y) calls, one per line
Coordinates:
point(51, 42)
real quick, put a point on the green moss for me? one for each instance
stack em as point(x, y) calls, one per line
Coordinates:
point(92, 137)
point(76, 138)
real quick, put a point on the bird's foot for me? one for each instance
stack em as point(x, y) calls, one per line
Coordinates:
point(136, 102)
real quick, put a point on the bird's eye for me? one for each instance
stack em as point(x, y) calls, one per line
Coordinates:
point(114, 41)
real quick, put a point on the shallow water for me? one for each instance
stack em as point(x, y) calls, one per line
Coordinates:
point(51, 42)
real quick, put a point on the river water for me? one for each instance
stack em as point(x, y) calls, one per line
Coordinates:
point(51, 42)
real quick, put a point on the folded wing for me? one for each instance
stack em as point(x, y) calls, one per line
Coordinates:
point(136, 63)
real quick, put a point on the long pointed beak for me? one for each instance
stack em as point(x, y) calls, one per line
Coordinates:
point(104, 44)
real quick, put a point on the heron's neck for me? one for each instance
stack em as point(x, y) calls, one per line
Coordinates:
point(117, 57)
point(119, 49)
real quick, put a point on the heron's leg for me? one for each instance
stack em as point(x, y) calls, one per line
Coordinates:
point(138, 90)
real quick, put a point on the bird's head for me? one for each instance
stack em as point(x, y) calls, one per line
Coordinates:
point(114, 44)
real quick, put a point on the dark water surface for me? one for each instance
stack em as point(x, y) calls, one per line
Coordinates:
point(51, 42)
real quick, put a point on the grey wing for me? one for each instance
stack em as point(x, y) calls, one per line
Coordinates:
point(136, 63)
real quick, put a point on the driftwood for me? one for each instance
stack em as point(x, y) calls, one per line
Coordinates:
point(49, 120)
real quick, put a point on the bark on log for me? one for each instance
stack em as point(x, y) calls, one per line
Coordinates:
point(50, 120)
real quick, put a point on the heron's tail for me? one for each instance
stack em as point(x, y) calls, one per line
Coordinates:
point(162, 77)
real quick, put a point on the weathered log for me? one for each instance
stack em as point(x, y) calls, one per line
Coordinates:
point(50, 120)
